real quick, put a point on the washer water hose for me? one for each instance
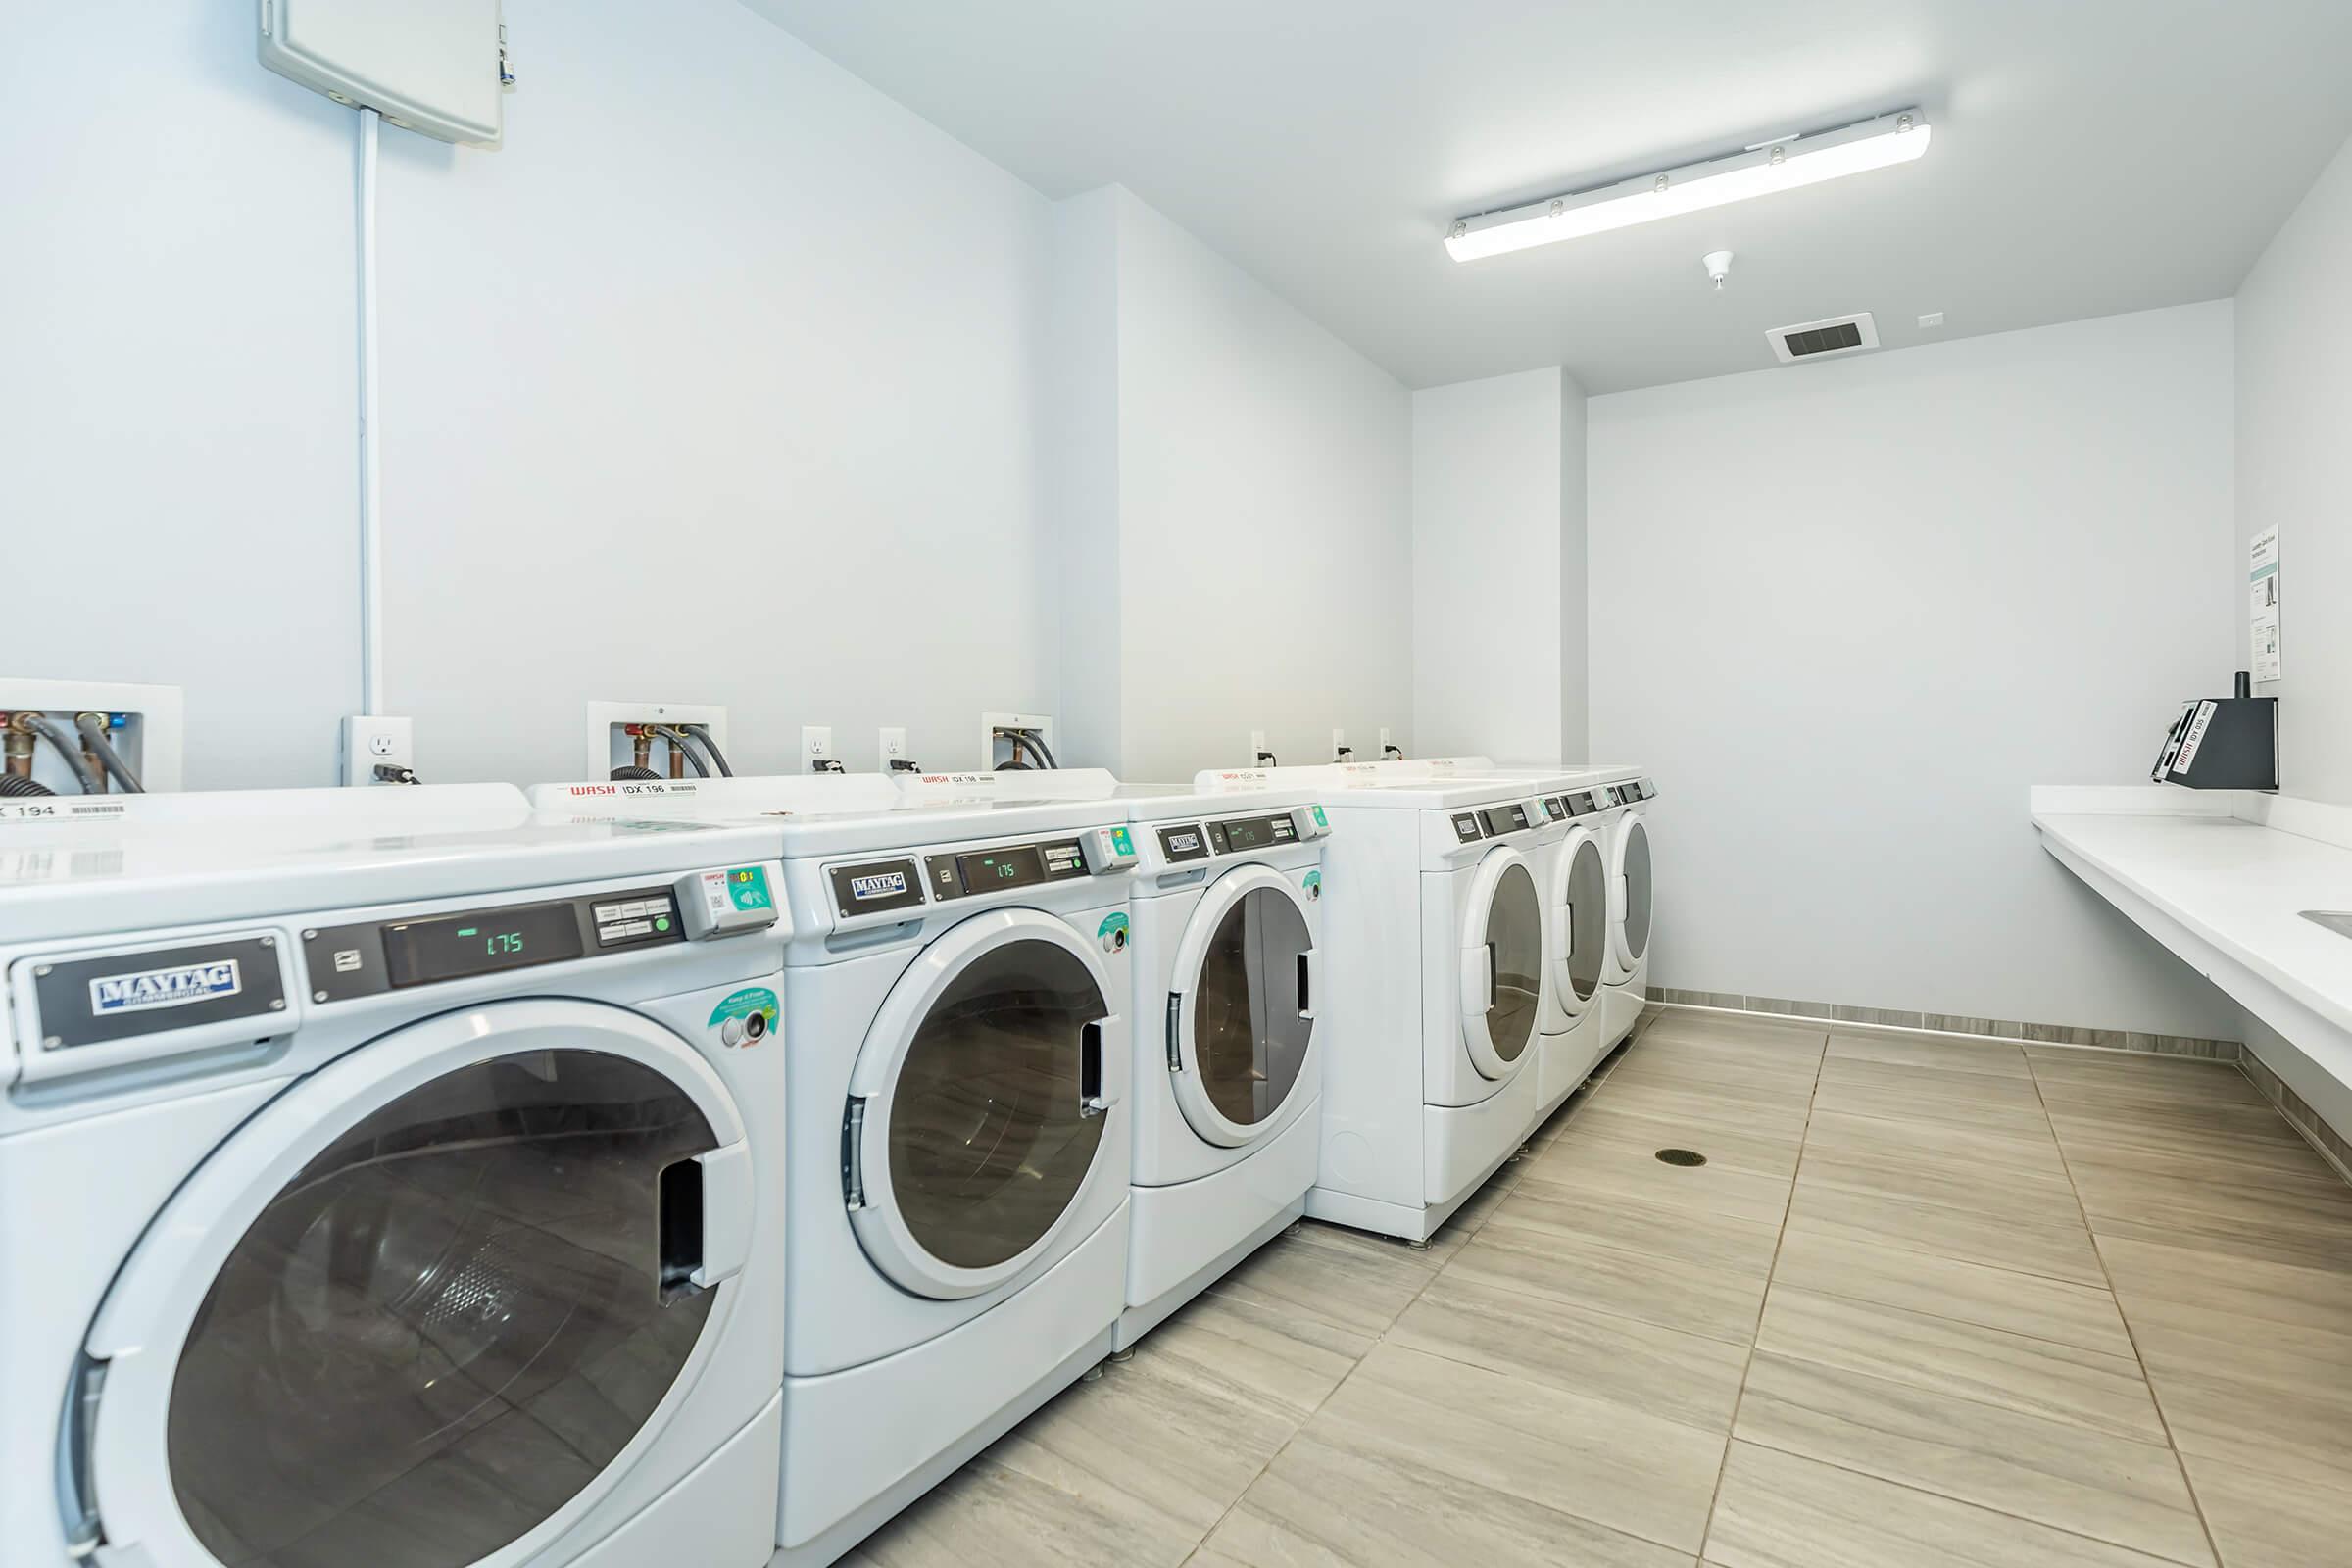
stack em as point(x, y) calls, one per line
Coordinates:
point(49, 730)
point(620, 773)
point(701, 736)
point(94, 740)
point(20, 787)
point(682, 746)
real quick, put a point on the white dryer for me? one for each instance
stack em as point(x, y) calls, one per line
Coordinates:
point(1600, 946)
point(401, 1169)
point(1625, 834)
point(958, 996)
point(1435, 979)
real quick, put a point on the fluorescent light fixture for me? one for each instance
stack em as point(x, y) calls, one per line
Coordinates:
point(1767, 167)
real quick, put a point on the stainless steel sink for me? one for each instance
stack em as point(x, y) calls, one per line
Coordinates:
point(2338, 921)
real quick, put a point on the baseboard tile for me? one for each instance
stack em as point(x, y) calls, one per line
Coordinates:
point(1940, 1023)
point(2332, 1145)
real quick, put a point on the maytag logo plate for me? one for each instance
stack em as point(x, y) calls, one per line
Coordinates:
point(146, 990)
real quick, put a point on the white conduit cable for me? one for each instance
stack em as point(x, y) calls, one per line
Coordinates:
point(372, 555)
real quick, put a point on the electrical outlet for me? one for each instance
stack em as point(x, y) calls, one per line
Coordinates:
point(816, 741)
point(1339, 746)
point(1258, 746)
point(1384, 740)
point(370, 742)
point(894, 747)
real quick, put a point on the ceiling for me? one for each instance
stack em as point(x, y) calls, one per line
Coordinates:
point(2090, 156)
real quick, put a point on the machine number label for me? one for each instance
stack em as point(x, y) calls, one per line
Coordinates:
point(149, 989)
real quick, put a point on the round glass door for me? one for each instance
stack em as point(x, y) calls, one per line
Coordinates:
point(447, 1323)
point(1631, 934)
point(988, 1126)
point(1585, 912)
point(1246, 1026)
point(1503, 965)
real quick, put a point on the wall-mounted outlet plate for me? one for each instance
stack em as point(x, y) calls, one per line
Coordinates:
point(370, 741)
point(891, 747)
point(1258, 746)
point(148, 734)
point(1384, 742)
point(816, 741)
point(991, 751)
point(608, 745)
point(1339, 745)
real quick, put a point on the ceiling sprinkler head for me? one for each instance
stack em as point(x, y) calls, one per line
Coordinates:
point(1719, 267)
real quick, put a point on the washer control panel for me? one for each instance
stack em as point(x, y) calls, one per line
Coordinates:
point(908, 882)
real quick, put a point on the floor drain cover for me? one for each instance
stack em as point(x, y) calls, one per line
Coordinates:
point(1682, 1156)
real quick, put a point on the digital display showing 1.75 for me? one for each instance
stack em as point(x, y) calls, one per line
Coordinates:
point(1016, 865)
point(1256, 832)
point(418, 952)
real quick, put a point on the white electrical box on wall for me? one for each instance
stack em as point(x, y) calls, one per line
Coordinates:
point(433, 66)
point(614, 730)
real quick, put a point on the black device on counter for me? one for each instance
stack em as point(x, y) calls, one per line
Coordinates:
point(2223, 743)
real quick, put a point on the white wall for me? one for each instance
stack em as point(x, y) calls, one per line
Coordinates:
point(1262, 551)
point(1848, 613)
point(2294, 473)
point(1576, 595)
point(178, 464)
point(1489, 619)
point(1500, 601)
point(719, 382)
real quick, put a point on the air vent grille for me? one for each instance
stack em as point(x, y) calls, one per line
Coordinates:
point(1824, 340)
point(1839, 334)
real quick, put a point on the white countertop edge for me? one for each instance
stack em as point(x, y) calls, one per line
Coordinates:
point(2319, 1024)
point(2323, 820)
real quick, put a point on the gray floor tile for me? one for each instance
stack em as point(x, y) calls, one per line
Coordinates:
point(1331, 1507)
point(1684, 1377)
point(1617, 1465)
point(2040, 1377)
point(2054, 1472)
point(1777, 1510)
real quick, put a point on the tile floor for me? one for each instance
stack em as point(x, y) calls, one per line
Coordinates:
point(1928, 1302)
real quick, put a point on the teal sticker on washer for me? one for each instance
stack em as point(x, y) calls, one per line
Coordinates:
point(1113, 932)
point(1122, 841)
point(747, 885)
point(742, 1005)
point(1313, 883)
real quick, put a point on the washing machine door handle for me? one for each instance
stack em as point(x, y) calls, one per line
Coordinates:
point(1092, 1098)
point(1477, 980)
point(706, 1223)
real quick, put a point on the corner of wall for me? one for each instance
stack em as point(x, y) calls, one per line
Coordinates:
point(1575, 654)
point(1082, 457)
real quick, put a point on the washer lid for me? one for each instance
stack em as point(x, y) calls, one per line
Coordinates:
point(415, 1273)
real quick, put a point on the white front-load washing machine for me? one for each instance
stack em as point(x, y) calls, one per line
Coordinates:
point(1228, 1072)
point(1434, 979)
point(959, 1002)
point(1228, 1048)
point(392, 1180)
